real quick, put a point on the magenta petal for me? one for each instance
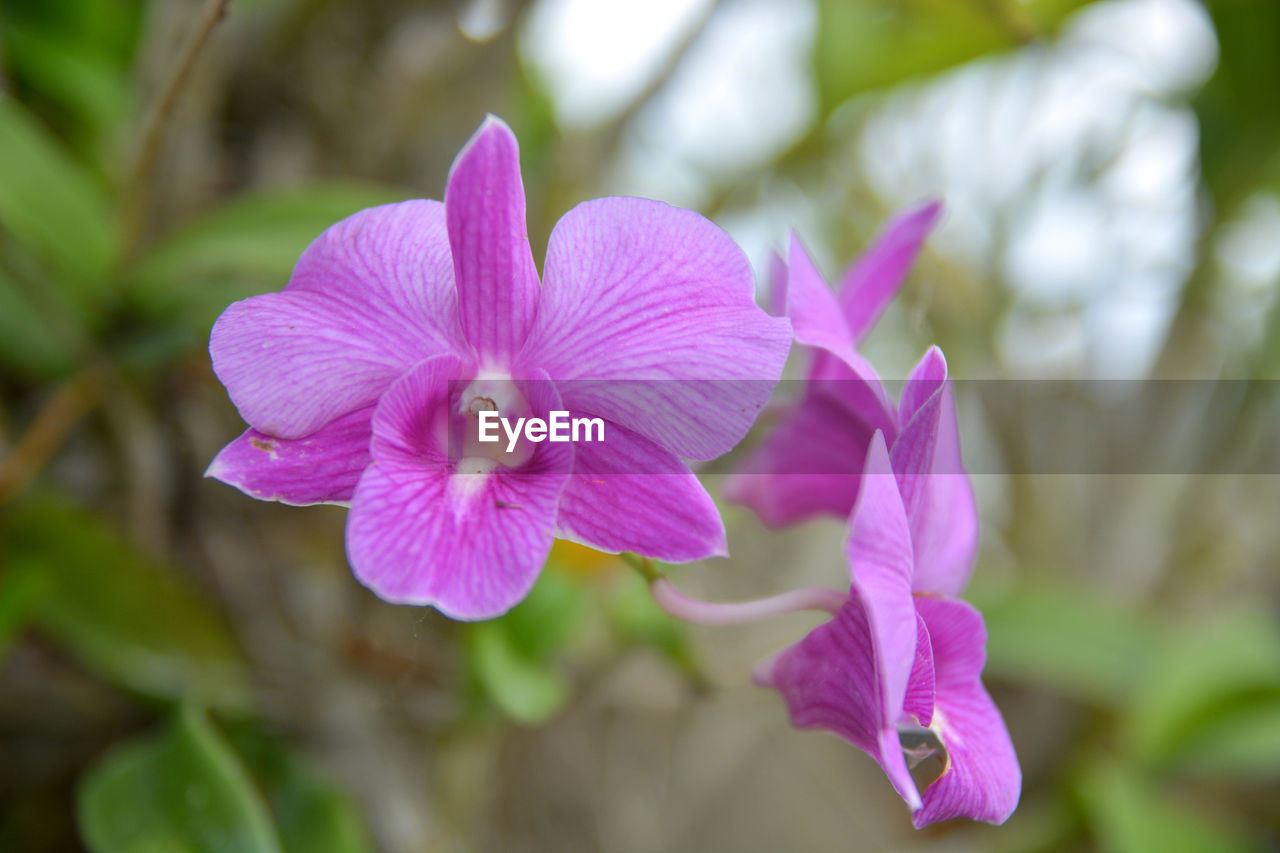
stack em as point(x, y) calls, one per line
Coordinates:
point(830, 681)
point(294, 361)
point(369, 297)
point(321, 468)
point(938, 494)
point(471, 544)
point(982, 779)
point(880, 566)
point(855, 385)
point(869, 285)
point(492, 261)
point(628, 494)
point(648, 311)
point(808, 465)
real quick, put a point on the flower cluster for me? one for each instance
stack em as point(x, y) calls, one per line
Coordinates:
point(407, 330)
point(900, 650)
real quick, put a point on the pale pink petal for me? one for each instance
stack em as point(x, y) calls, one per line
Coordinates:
point(812, 307)
point(880, 567)
point(321, 468)
point(817, 322)
point(492, 261)
point(830, 681)
point(469, 542)
point(873, 280)
point(981, 779)
point(929, 374)
point(775, 287)
point(648, 319)
point(391, 262)
point(370, 297)
point(808, 465)
point(628, 494)
point(941, 507)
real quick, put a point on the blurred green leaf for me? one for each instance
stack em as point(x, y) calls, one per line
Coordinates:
point(312, 815)
point(109, 28)
point(256, 238)
point(246, 247)
point(1130, 815)
point(874, 44)
point(29, 344)
point(20, 592)
point(1201, 675)
point(540, 625)
point(131, 619)
point(513, 657)
point(638, 620)
point(1239, 125)
point(1062, 638)
point(183, 791)
point(1240, 744)
point(76, 74)
point(526, 690)
point(52, 204)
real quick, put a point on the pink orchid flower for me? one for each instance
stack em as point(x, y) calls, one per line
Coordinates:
point(900, 653)
point(362, 382)
point(811, 463)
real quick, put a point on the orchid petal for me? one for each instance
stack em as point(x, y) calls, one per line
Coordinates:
point(812, 307)
point(831, 680)
point(938, 494)
point(370, 297)
point(929, 374)
point(492, 261)
point(321, 468)
point(858, 389)
point(469, 542)
point(880, 567)
point(808, 465)
point(816, 319)
point(918, 704)
point(775, 287)
point(628, 494)
point(649, 312)
point(873, 280)
point(981, 779)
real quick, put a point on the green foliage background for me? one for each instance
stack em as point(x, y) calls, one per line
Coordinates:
point(182, 669)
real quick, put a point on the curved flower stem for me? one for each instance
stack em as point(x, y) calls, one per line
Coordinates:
point(699, 612)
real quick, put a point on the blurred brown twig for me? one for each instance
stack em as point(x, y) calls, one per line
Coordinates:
point(50, 428)
point(134, 207)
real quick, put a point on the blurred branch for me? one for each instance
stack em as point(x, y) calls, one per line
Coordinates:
point(613, 137)
point(1011, 17)
point(50, 428)
point(135, 206)
point(607, 142)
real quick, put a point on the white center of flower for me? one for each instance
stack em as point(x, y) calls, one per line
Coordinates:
point(491, 392)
